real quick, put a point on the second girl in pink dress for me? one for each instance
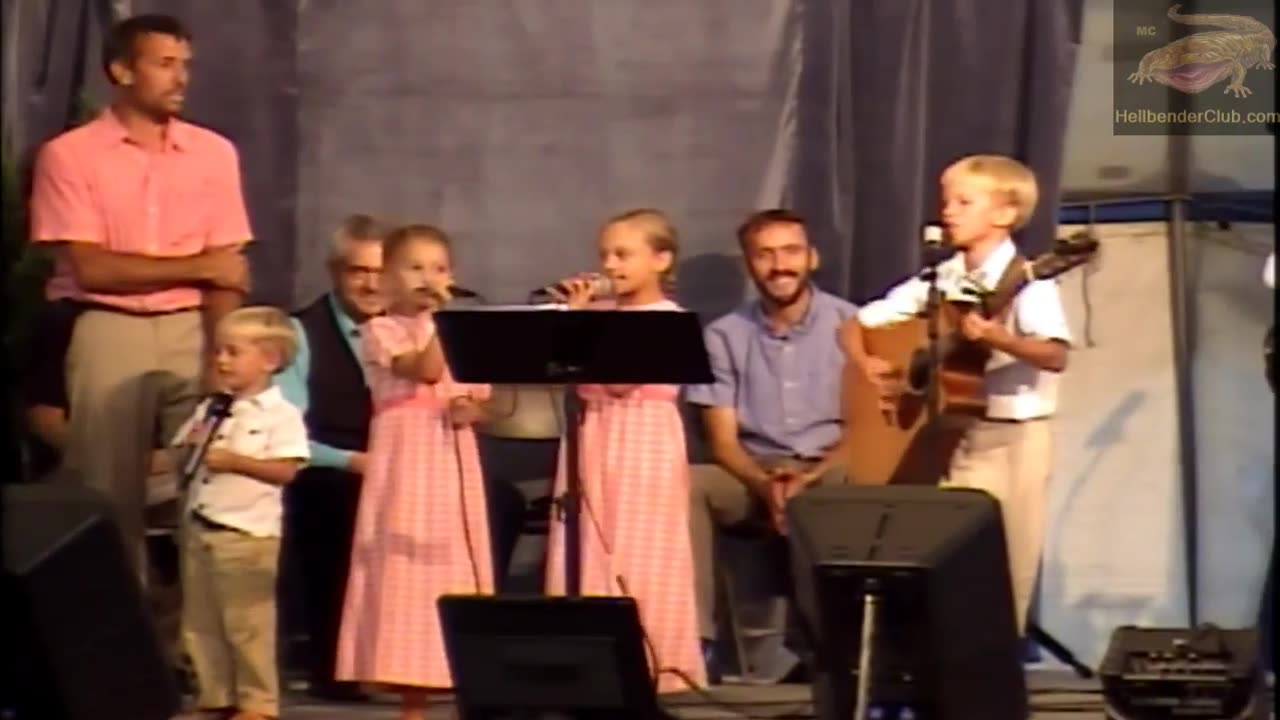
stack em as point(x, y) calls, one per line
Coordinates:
point(634, 469)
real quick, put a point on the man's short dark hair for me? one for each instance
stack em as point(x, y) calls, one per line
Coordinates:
point(763, 219)
point(122, 38)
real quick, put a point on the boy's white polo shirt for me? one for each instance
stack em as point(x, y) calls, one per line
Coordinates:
point(265, 426)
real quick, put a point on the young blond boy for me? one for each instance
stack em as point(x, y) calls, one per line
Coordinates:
point(1008, 454)
point(232, 520)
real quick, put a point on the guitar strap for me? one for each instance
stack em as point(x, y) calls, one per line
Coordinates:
point(1013, 273)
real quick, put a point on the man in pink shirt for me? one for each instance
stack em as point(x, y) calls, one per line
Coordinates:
point(148, 220)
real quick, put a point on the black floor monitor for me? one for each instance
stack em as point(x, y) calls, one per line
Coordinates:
point(77, 641)
point(929, 565)
point(531, 658)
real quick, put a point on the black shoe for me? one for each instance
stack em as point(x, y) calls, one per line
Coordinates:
point(1030, 651)
point(344, 692)
point(711, 661)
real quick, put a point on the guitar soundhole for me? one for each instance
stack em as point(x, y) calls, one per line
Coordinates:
point(918, 373)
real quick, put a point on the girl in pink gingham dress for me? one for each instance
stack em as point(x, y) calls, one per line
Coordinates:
point(422, 528)
point(634, 470)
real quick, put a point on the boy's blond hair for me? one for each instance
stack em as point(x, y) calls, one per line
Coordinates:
point(263, 325)
point(1010, 180)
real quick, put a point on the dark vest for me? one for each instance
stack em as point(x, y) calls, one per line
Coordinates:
point(340, 406)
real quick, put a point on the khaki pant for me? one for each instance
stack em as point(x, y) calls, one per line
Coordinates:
point(229, 617)
point(717, 498)
point(1012, 462)
point(128, 377)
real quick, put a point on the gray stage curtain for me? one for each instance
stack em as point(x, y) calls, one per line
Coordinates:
point(51, 62)
point(897, 89)
point(519, 126)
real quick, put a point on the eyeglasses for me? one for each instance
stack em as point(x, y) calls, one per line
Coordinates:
point(360, 270)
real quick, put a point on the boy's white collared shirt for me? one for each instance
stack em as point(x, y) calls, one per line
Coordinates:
point(265, 426)
point(1016, 390)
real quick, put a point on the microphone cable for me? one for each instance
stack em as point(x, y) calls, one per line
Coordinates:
point(456, 434)
point(656, 668)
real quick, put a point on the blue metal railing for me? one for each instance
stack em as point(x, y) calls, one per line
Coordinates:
point(1257, 206)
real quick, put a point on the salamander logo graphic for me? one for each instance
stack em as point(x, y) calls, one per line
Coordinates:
point(1199, 61)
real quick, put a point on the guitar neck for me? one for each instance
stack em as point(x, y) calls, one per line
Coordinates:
point(1002, 298)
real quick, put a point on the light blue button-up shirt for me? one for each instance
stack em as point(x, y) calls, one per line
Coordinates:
point(784, 387)
point(293, 381)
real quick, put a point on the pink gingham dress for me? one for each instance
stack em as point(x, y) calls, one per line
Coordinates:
point(635, 517)
point(422, 528)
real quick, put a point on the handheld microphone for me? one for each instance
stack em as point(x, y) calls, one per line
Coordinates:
point(600, 286)
point(218, 410)
point(460, 292)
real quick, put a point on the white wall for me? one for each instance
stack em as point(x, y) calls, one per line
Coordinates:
point(1234, 420)
point(1114, 552)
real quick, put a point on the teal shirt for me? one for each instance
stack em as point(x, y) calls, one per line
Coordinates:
point(293, 382)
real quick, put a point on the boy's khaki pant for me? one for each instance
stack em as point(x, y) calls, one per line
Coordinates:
point(229, 617)
point(1012, 462)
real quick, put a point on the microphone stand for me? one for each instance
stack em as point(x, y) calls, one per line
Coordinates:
point(571, 499)
point(871, 599)
point(569, 503)
point(933, 312)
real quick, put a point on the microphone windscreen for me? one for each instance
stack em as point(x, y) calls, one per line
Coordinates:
point(219, 405)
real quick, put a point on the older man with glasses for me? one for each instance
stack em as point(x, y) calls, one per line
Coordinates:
point(326, 382)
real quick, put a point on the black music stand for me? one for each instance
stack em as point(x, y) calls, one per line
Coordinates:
point(533, 346)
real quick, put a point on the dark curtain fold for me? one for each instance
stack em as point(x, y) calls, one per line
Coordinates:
point(898, 89)
point(845, 110)
point(51, 64)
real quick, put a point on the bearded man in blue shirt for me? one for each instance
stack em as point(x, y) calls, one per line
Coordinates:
point(772, 416)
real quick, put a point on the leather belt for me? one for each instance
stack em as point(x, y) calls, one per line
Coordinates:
point(213, 525)
point(84, 305)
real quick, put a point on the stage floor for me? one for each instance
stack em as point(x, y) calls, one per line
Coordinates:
point(1055, 695)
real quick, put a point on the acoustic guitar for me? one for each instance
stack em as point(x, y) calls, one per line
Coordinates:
point(893, 442)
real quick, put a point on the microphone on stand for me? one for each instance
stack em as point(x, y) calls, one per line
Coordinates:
point(601, 286)
point(217, 411)
point(933, 235)
point(933, 238)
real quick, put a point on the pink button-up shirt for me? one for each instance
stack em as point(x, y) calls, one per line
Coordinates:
point(93, 184)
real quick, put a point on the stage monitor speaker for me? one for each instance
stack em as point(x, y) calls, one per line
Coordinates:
point(539, 657)
point(79, 643)
point(1166, 673)
point(927, 568)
